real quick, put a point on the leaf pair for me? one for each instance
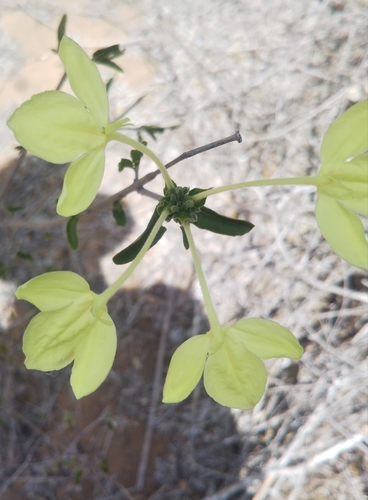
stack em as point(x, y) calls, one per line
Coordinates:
point(233, 371)
point(60, 128)
point(135, 156)
point(105, 56)
point(68, 330)
point(343, 185)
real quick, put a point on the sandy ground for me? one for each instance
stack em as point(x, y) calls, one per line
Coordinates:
point(279, 72)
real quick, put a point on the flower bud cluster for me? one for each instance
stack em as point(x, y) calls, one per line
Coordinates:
point(181, 205)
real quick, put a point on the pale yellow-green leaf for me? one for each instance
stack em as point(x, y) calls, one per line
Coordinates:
point(186, 368)
point(56, 127)
point(343, 230)
point(85, 79)
point(94, 356)
point(54, 290)
point(266, 338)
point(355, 179)
point(234, 377)
point(355, 170)
point(345, 190)
point(346, 137)
point(51, 337)
point(81, 183)
point(348, 183)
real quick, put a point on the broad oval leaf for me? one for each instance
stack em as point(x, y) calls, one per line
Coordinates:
point(94, 355)
point(266, 338)
point(186, 368)
point(56, 127)
point(51, 337)
point(212, 221)
point(54, 290)
point(84, 78)
point(235, 377)
point(81, 183)
point(346, 137)
point(343, 230)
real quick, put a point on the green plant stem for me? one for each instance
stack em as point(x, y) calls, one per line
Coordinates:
point(117, 136)
point(111, 290)
point(311, 181)
point(212, 316)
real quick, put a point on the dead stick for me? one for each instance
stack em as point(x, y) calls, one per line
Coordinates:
point(135, 186)
point(188, 154)
point(141, 476)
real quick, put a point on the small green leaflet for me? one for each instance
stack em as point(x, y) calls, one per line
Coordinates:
point(61, 28)
point(119, 214)
point(12, 209)
point(71, 232)
point(105, 56)
point(136, 157)
point(24, 255)
point(109, 83)
point(185, 239)
point(217, 223)
point(129, 253)
point(78, 476)
point(125, 163)
point(3, 271)
point(104, 466)
point(152, 130)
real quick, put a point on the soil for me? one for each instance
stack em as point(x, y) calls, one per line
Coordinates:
point(280, 72)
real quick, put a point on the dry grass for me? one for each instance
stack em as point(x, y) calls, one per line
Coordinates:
point(280, 72)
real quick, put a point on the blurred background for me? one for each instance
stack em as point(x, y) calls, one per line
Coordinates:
point(280, 72)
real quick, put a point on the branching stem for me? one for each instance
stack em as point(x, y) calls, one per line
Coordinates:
point(212, 145)
point(138, 184)
point(117, 136)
